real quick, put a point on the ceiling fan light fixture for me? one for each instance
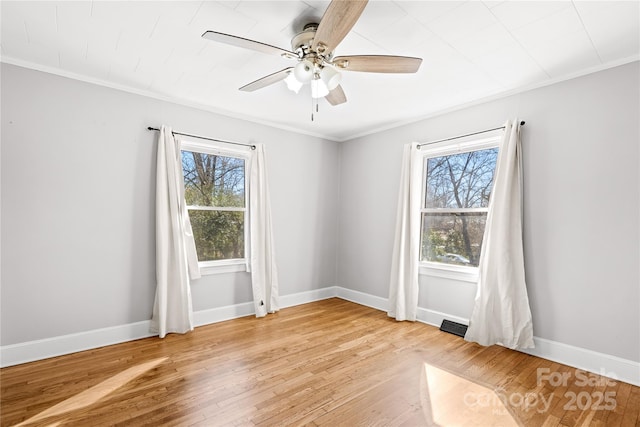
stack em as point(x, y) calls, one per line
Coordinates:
point(293, 84)
point(313, 51)
point(331, 77)
point(304, 71)
point(319, 89)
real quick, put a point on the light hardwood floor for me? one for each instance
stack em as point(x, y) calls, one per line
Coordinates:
point(328, 363)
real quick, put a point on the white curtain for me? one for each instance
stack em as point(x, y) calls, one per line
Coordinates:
point(403, 286)
point(176, 257)
point(264, 274)
point(501, 314)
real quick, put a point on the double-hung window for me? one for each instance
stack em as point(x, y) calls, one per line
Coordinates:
point(215, 193)
point(456, 189)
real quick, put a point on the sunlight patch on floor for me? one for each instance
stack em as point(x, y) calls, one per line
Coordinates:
point(449, 400)
point(95, 393)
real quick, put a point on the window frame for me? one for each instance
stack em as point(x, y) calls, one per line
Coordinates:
point(447, 148)
point(231, 265)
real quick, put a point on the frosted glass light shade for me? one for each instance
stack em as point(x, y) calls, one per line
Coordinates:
point(319, 89)
point(303, 71)
point(292, 83)
point(330, 77)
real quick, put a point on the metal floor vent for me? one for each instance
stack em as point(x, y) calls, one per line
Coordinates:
point(453, 328)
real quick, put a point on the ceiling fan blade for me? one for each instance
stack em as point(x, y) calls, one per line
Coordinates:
point(378, 63)
point(267, 80)
point(336, 96)
point(248, 44)
point(337, 21)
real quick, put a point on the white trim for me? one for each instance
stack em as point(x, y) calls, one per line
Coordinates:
point(221, 267)
point(208, 270)
point(462, 144)
point(588, 360)
point(424, 315)
point(435, 318)
point(453, 272)
point(498, 94)
point(30, 351)
point(362, 298)
point(455, 210)
point(149, 94)
point(216, 148)
point(300, 298)
point(225, 265)
point(450, 147)
point(220, 314)
point(215, 208)
point(580, 358)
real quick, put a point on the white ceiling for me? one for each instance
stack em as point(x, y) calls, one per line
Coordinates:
point(471, 49)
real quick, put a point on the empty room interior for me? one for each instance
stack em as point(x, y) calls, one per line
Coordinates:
point(324, 213)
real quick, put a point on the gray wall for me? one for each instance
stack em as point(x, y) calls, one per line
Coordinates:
point(78, 198)
point(582, 188)
point(78, 169)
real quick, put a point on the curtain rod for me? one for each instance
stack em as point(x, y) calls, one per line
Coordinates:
point(462, 136)
point(253, 147)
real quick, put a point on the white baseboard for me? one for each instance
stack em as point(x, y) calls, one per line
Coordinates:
point(30, 351)
point(300, 298)
point(362, 298)
point(220, 314)
point(587, 360)
point(580, 358)
point(435, 318)
point(424, 315)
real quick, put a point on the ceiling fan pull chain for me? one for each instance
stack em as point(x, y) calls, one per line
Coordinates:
point(316, 100)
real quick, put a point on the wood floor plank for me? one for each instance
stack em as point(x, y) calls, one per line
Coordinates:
point(328, 363)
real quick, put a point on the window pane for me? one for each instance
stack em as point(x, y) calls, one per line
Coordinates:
point(211, 180)
point(460, 180)
point(218, 234)
point(452, 238)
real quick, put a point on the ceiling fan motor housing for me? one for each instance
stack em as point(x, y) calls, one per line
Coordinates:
point(301, 43)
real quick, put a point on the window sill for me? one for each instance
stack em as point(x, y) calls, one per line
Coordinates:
point(453, 272)
point(220, 267)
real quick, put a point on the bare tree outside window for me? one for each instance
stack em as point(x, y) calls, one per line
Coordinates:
point(215, 197)
point(458, 189)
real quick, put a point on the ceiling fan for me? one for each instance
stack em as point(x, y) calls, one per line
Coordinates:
point(313, 49)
